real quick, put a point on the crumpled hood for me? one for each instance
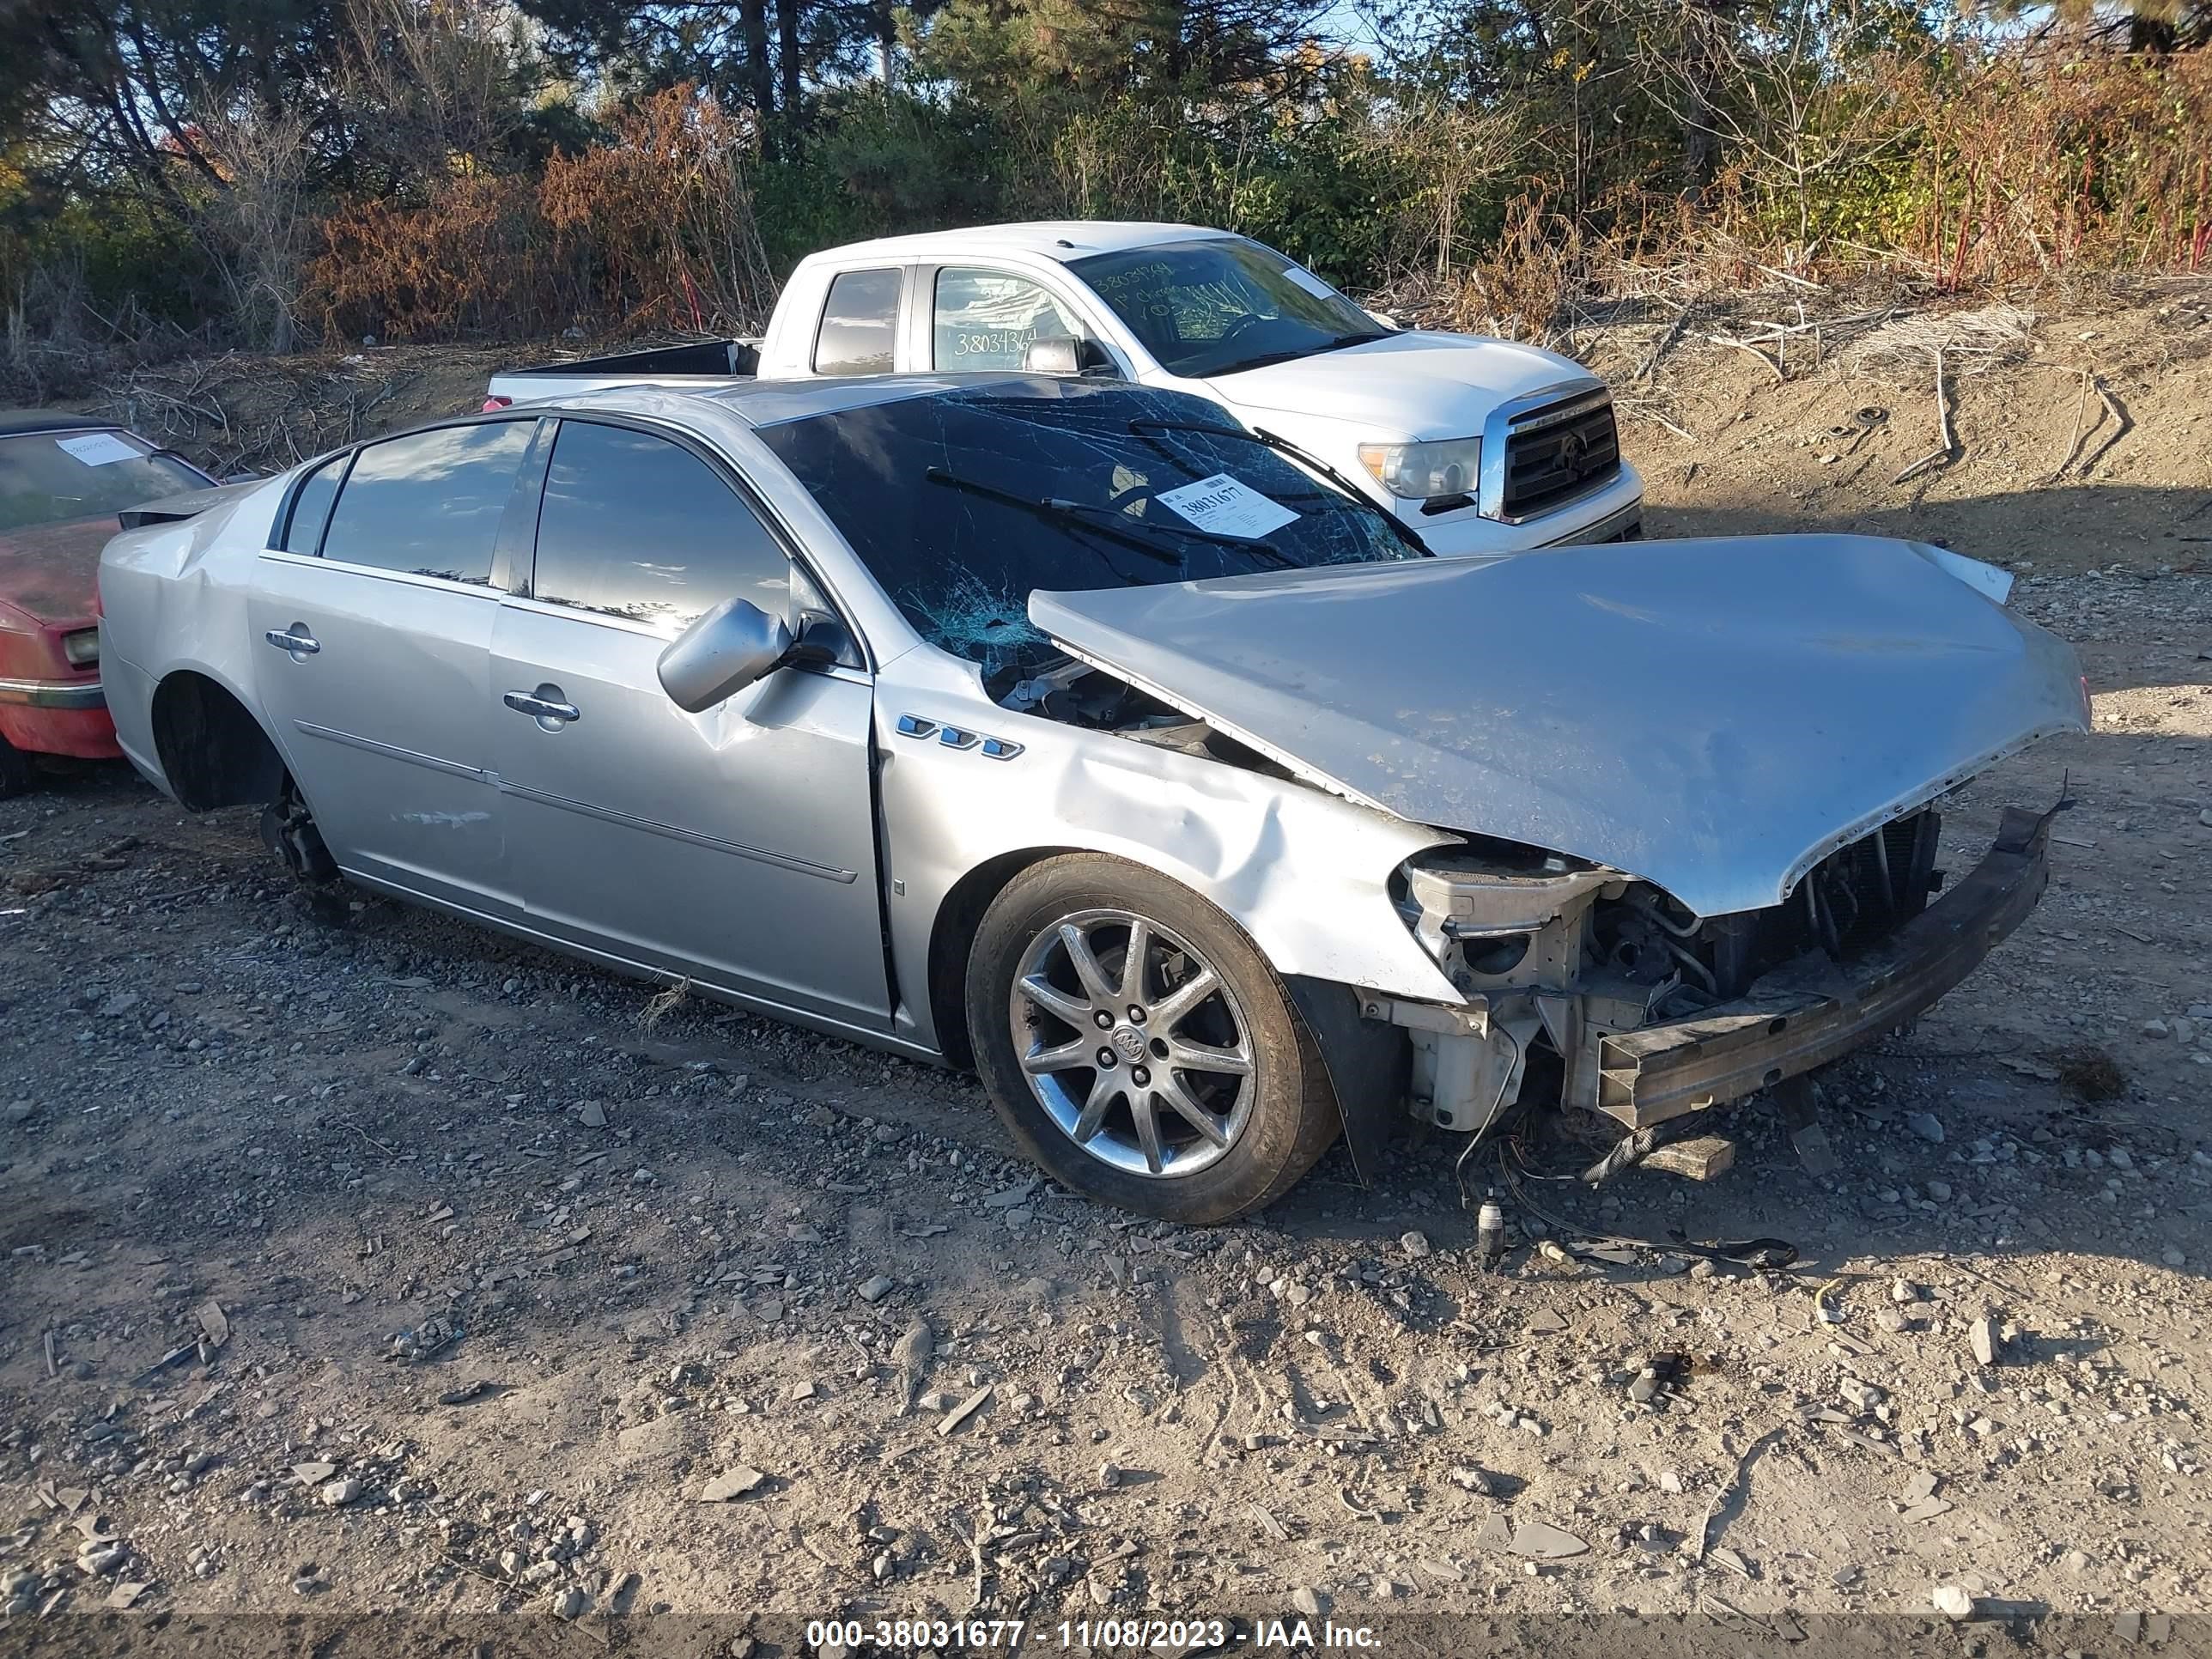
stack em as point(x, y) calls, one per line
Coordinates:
point(1714, 716)
point(1416, 385)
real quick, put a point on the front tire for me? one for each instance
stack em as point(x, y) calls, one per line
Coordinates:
point(16, 775)
point(1180, 1084)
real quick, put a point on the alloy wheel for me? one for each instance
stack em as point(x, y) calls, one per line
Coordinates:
point(1133, 1044)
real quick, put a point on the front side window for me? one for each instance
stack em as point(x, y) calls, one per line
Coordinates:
point(429, 503)
point(1204, 308)
point(989, 318)
point(636, 526)
point(859, 323)
point(962, 504)
point(58, 477)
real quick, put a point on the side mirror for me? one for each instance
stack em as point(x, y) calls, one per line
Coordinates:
point(1063, 354)
point(727, 650)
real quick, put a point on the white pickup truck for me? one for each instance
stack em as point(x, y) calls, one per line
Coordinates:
point(1481, 445)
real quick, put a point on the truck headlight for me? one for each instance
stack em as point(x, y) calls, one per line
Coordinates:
point(1426, 471)
point(82, 648)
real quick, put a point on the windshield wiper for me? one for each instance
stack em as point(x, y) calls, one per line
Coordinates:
point(1268, 359)
point(1139, 533)
point(1404, 532)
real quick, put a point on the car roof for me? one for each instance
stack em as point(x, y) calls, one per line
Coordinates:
point(1061, 239)
point(15, 422)
point(772, 403)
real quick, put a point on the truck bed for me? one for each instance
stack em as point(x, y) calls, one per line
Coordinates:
point(695, 363)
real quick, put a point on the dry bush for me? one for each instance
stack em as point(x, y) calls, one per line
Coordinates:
point(652, 230)
point(658, 226)
point(257, 219)
point(465, 262)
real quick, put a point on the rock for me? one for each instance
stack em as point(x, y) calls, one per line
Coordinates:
point(1542, 1542)
point(1309, 1602)
point(566, 1605)
point(2174, 1257)
point(592, 1114)
point(1861, 1395)
point(337, 1494)
point(1670, 1483)
point(123, 1595)
point(912, 1354)
point(1982, 1338)
point(966, 1409)
point(1921, 1487)
point(1109, 1475)
point(1415, 1245)
point(876, 1289)
point(1954, 1602)
point(313, 1475)
point(1940, 1191)
point(1467, 1477)
point(1926, 1124)
point(1646, 1387)
point(731, 1483)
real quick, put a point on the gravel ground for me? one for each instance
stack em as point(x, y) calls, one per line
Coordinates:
point(361, 1262)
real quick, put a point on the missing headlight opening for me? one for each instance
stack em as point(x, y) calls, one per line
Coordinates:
point(1560, 960)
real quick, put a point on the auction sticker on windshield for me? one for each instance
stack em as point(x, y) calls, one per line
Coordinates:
point(97, 448)
point(1227, 507)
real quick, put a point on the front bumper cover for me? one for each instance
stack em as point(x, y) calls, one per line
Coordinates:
point(1784, 1025)
point(53, 694)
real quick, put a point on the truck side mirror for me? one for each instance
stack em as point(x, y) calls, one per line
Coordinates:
point(1063, 354)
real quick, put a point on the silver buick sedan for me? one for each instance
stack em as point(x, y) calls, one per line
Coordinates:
point(1061, 730)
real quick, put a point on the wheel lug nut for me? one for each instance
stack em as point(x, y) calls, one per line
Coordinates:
point(1105, 1060)
point(1103, 1020)
point(1136, 1013)
point(1140, 1077)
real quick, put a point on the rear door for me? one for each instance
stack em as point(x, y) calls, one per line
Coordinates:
point(735, 846)
point(372, 621)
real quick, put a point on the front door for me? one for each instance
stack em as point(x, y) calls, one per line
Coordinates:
point(735, 846)
point(372, 641)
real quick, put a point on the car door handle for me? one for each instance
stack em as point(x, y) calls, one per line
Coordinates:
point(546, 710)
point(296, 639)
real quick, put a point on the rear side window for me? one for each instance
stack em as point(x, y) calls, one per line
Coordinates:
point(638, 527)
point(311, 506)
point(858, 324)
point(429, 503)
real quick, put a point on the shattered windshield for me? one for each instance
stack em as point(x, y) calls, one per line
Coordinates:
point(960, 505)
point(1204, 308)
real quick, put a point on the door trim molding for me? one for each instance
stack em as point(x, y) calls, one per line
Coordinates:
point(653, 826)
point(392, 751)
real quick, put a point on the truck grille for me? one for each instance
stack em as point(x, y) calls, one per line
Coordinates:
point(1555, 455)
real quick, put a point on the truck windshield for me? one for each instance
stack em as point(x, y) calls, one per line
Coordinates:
point(1206, 308)
point(960, 504)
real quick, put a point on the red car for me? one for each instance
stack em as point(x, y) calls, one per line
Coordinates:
point(63, 479)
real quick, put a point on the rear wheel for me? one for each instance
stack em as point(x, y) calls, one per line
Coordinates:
point(1139, 1047)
